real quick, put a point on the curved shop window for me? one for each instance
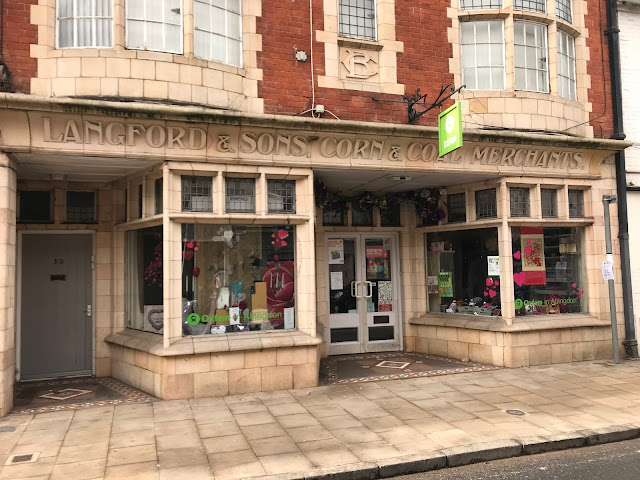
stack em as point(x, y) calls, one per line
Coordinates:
point(237, 278)
point(143, 279)
point(548, 270)
point(463, 274)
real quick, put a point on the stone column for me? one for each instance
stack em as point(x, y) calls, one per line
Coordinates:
point(7, 281)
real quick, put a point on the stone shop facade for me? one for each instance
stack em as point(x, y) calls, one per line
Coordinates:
point(201, 227)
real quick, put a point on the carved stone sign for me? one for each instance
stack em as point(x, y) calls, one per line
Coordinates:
point(359, 64)
point(248, 143)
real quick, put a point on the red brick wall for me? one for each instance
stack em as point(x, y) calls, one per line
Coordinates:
point(286, 87)
point(598, 67)
point(18, 34)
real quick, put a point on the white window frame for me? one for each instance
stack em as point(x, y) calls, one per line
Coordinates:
point(522, 9)
point(570, 10)
point(375, 24)
point(475, 44)
point(566, 37)
point(528, 88)
point(225, 36)
point(75, 26)
point(470, 8)
point(179, 51)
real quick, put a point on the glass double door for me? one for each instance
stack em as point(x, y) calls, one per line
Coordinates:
point(364, 293)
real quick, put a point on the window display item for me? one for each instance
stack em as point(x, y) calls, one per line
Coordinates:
point(234, 315)
point(153, 318)
point(222, 316)
point(259, 296)
point(259, 315)
point(223, 298)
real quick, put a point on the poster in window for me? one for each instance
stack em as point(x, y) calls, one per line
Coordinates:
point(385, 297)
point(493, 265)
point(533, 261)
point(336, 281)
point(445, 284)
point(432, 284)
point(336, 251)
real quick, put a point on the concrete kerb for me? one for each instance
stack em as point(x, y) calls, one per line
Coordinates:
point(466, 455)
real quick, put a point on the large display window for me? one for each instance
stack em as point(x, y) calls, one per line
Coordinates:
point(143, 280)
point(237, 278)
point(548, 270)
point(463, 272)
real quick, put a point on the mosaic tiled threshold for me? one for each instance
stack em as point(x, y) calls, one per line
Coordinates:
point(373, 367)
point(70, 394)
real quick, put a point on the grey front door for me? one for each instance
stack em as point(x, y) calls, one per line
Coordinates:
point(56, 313)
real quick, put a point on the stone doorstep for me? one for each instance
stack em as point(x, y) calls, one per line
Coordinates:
point(465, 455)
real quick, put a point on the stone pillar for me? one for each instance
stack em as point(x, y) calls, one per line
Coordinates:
point(7, 282)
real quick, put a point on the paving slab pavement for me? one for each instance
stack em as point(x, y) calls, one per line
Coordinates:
point(366, 430)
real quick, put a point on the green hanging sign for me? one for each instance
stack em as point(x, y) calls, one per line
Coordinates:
point(450, 129)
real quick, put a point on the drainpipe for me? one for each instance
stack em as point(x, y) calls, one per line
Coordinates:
point(612, 31)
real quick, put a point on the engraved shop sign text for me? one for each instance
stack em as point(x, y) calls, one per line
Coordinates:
point(251, 143)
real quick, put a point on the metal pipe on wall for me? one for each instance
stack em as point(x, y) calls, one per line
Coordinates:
point(612, 31)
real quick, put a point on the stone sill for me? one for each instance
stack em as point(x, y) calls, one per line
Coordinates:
point(154, 344)
point(520, 324)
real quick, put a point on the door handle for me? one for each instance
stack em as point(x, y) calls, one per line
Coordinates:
point(88, 310)
point(357, 296)
point(353, 289)
point(370, 287)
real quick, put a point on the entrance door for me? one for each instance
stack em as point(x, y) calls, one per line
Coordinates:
point(56, 317)
point(364, 293)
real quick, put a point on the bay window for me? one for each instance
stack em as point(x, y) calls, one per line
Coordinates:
point(531, 59)
point(218, 30)
point(84, 23)
point(154, 25)
point(483, 55)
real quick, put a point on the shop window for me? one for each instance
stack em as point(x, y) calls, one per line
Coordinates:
point(456, 205)
point(282, 196)
point(361, 217)
point(483, 55)
point(34, 206)
point(566, 66)
point(237, 278)
point(576, 203)
point(530, 5)
point(531, 67)
point(218, 31)
point(84, 24)
point(519, 202)
point(143, 280)
point(486, 204)
point(154, 25)
point(333, 218)
point(81, 207)
point(357, 19)
point(241, 195)
point(157, 193)
point(564, 10)
point(549, 200)
point(196, 194)
point(463, 272)
point(390, 215)
point(480, 4)
point(548, 270)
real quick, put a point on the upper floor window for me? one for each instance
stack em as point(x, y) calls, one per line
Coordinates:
point(155, 25)
point(84, 23)
point(531, 57)
point(357, 19)
point(483, 55)
point(530, 5)
point(218, 30)
point(566, 66)
point(563, 10)
point(480, 4)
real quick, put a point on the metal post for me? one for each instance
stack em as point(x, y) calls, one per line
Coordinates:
point(606, 200)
